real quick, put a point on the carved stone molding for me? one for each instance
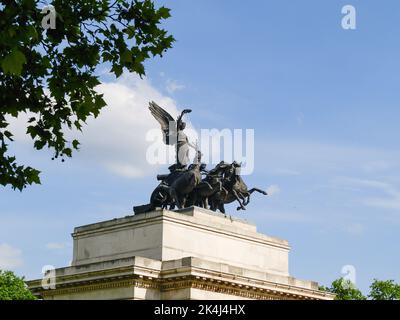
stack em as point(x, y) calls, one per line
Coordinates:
point(171, 284)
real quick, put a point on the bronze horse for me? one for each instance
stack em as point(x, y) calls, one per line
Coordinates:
point(175, 189)
point(185, 187)
point(234, 189)
point(211, 184)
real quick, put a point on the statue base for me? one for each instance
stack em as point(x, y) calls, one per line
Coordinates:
point(191, 253)
point(143, 208)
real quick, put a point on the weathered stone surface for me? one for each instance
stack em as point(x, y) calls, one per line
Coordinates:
point(166, 235)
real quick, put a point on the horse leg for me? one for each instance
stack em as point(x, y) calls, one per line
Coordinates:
point(192, 199)
point(168, 197)
point(249, 192)
point(205, 202)
point(175, 198)
point(213, 206)
point(199, 200)
point(208, 185)
point(241, 207)
point(184, 202)
point(258, 190)
point(242, 196)
point(246, 198)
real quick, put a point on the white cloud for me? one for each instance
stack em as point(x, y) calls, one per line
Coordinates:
point(285, 157)
point(56, 245)
point(356, 182)
point(10, 257)
point(384, 203)
point(355, 229)
point(285, 216)
point(116, 139)
point(390, 198)
point(273, 190)
point(378, 166)
point(173, 85)
point(285, 172)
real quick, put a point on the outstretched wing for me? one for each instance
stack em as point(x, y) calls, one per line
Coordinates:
point(167, 122)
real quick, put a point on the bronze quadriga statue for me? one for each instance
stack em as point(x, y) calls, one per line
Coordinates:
point(192, 185)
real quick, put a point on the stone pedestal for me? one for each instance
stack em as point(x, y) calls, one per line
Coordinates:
point(190, 254)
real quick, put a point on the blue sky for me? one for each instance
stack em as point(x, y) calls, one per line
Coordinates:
point(323, 102)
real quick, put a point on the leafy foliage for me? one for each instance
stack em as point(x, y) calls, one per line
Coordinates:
point(344, 290)
point(379, 290)
point(51, 74)
point(13, 287)
point(384, 290)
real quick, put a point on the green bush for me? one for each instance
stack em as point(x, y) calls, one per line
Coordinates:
point(13, 287)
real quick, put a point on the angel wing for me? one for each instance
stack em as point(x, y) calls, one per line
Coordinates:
point(167, 122)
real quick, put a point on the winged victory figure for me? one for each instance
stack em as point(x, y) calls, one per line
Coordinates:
point(173, 133)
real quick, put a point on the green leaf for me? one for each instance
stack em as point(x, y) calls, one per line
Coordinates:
point(13, 62)
point(32, 176)
point(164, 12)
point(126, 56)
point(75, 144)
point(39, 144)
point(117, 70)
point(9, 135)
point(68, 152)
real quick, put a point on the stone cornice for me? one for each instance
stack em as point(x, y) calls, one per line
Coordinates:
point(184, 278)
point(201, 283)
point(241, 281)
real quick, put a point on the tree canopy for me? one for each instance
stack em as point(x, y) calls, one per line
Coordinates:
point(384, 290)
point(379, 290)
point(50, 74)
point(13, 287)
point(344, 289)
